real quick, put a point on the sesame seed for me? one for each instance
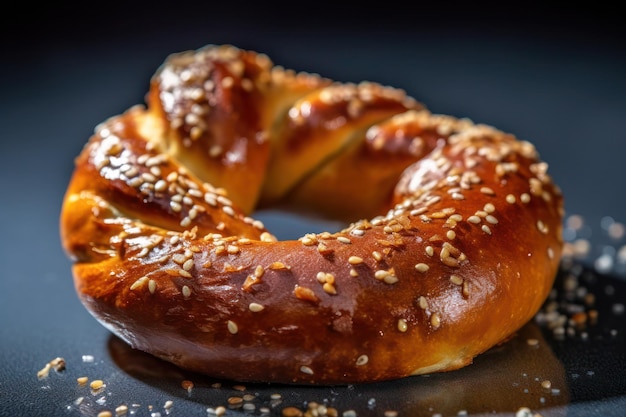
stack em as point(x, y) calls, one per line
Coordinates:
point(255, 307)
point(525, 198)
point(278, 266)
point(139, 283)
point(510, 198)
point(491, 219)
point(435, 321)
point(402, 325)
point(362, 360)
point(423, 303)
point(232, 327)
point(329, 288)
point(474, 219)
point(188, 264)
point(450, 234)
point(175, 206)
point(438, 215)
point(305, 294)
point(417, 212)
point(306, 370)
point(422, 267)
point(160, 186)
point(267, 237)
point(355, 260)
point(390, 279)
point(429, 251)
point(96, 384)
point(486, 190)
point(186, 291)
point(323, 250)
point(532, 342)
point(465, 290)
point(259, 271)
point(456, 280)
point(381, 274)
point(489, 208)
point(309, 240)
point(455, 217)
point(179, 258)
point(486, 229)
point(344, 239)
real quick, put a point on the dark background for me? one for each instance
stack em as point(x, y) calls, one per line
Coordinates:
point(553, 75)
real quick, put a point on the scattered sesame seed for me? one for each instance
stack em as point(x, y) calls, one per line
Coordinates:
point(491, 219)
point(456, 280)
point(256, 307)
point(121, 410)
point(435, 321)
point(474, 219)
point(362, 360)
point(139, 283)
point(96, 384)
point(402, 325)
point(306, 370)
point(329, 288)
point(186, 291)
point(355, 260)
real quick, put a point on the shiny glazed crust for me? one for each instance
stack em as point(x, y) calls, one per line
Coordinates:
point(452, 244)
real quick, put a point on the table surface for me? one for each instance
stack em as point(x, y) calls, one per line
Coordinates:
point(557, 79)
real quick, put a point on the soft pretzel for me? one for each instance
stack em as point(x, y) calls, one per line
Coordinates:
point(452, 242)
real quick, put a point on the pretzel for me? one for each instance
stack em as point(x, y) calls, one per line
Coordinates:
point(451, 243)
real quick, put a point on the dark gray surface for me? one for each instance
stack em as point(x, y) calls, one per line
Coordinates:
point(557, 79)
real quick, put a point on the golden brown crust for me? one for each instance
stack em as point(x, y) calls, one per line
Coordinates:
point(454, 243)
